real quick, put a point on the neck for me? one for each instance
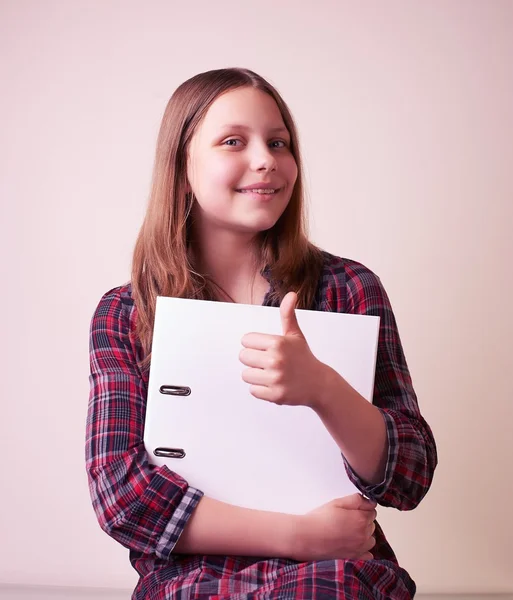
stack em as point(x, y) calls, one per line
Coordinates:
point(228, 259)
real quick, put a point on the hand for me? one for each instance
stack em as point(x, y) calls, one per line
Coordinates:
point(341, 529)
point(282, 369)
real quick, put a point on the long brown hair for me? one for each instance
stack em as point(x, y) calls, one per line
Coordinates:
point(162, 264)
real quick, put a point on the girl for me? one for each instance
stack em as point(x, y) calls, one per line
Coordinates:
point(225, 222)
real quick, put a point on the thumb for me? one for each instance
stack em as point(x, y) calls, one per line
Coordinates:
point(356, 502)
point(289, 322)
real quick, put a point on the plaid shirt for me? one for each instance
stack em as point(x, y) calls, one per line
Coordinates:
point(145, 508)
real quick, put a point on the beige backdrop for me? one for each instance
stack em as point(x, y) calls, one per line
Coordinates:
point(405, 110)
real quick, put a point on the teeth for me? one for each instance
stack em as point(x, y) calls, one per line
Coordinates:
point(259, 191)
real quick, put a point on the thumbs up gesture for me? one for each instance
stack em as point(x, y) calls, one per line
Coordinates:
point(282, 368)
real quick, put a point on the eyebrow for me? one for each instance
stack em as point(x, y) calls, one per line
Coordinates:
point(232, 126)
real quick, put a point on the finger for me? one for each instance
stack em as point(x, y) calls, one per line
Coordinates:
point(257, 359)
point(256, 377)
point(369, 516)
point(368, 505)
point(259, 341)
point(372, 528)
point(262, 393)
point(356, 502)
point(366, 556)
point(289, 323)
point(369, 544)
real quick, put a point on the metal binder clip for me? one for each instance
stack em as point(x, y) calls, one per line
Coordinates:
point(175, 390)
point(170, 452)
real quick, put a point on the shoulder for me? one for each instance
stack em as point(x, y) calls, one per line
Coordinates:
point(113, 329)
point(347, 285)
point(114, 346)
point(116, 307)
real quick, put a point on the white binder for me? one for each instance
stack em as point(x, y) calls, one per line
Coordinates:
point(202, 422)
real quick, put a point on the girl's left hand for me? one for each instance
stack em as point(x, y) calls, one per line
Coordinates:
point(282, 368)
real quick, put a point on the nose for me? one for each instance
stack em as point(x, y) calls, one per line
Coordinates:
point(262, 158)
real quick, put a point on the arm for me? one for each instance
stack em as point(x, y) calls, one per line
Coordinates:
point(143, 507)
point(396, 462)
point(219, 528)
point(342, 528)
point(147, 508)
point(356, 425)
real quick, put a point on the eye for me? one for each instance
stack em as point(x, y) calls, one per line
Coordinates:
point(232, 142)
point(278, 144)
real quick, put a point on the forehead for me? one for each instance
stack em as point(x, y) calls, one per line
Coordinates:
point(244, 106)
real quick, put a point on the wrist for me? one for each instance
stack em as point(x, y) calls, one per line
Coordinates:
point(295, 538)
point(329, 387)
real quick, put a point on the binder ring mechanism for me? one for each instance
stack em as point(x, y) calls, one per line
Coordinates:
point(175, 390)
point(170, 452)
point(172, 390)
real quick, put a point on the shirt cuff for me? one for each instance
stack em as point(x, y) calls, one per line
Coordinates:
point(377, 490)
point(176, 525)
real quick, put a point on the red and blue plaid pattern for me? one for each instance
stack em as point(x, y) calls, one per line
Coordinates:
point(146, 508)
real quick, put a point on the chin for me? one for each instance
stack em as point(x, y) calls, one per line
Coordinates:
point(261, 222)
point(260, 225)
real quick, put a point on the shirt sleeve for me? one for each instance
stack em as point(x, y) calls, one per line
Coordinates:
point(412, 454)
point(142, 506)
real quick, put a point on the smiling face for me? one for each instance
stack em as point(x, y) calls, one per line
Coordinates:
point(240, 166)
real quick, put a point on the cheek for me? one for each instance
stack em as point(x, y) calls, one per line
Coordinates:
point(221, 172)
point(289, 168)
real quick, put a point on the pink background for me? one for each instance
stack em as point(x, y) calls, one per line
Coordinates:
point(405, 110)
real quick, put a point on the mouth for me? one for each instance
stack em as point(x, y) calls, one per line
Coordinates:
point(260, 191)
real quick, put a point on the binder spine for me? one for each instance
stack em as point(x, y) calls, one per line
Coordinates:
point(172, 390)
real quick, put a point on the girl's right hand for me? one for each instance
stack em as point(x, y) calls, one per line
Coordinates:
point(340, 529)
